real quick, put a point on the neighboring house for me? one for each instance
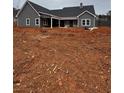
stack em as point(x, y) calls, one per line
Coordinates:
point(15, 11)
point(34, 15)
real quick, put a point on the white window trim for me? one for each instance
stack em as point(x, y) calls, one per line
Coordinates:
point(26, 21)
point(35, 22)
point(85, 22)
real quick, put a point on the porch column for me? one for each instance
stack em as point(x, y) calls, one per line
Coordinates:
point(77, 21)
point(51, 22)
point(94, 21)
point(39, 22)
point(59, 23)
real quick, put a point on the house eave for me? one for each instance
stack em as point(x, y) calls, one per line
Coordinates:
point(27, 2)
point(68, 18)
point(87, 12)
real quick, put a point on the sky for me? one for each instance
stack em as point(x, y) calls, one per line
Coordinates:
point(101, 6)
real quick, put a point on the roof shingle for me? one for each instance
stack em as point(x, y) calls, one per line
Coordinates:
point(39, 8)
point(73, 11)
point(66, 11)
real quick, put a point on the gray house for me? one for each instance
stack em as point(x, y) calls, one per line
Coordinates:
point(34, 15)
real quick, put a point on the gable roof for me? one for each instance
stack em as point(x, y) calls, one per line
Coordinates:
point(65, 12)
point(27, 2)
point(39, 8)
point(73, 11)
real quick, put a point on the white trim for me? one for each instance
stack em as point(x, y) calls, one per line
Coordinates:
point(59, 18)
point(86, 22)
point(87, 12)
point(45, 13)
point(78, 21)
point(26, 21)
point(21, 9)
point(51, 22)
point(68, 18)
point(24, 6)
point(59, 23)
point(38, 22)
point(53, 16)
point(34, 9)
point(94, 22)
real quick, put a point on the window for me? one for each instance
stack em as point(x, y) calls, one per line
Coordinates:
point(27, 21)
point(83, 22)
point(37, 21)
point(45, 22)
point(86, 22)
point(74, 22)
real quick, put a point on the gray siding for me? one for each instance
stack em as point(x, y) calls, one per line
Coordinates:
point(87, 16)
point(27, 12)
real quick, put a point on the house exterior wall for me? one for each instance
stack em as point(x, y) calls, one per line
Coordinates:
point(87, 16)
point(27, 12)
point(70, 23)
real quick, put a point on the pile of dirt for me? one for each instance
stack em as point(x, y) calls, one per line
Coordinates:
point(62, 60)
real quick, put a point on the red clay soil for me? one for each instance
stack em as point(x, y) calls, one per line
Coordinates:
point(62, 60)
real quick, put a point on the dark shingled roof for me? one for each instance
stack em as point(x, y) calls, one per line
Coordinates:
point(65, 12)
point(73, 11)
point(39, 8)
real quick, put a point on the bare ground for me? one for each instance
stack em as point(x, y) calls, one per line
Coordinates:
point(62, 60)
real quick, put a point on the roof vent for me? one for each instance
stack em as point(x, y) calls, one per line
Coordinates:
point(81, 5)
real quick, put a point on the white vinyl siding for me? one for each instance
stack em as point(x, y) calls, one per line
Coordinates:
point(37, 21)
point(85, 22)
point(27, 21)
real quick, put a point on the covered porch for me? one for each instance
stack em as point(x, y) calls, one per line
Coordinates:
point(53, 21)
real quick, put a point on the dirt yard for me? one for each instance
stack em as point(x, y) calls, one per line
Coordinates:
point(62, 60)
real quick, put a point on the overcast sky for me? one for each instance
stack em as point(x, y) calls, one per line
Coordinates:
point(101, 6)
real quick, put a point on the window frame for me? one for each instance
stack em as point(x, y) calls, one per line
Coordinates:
point(36, 22)
point(85, 22)
point(45, 22)
point(27, 22)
